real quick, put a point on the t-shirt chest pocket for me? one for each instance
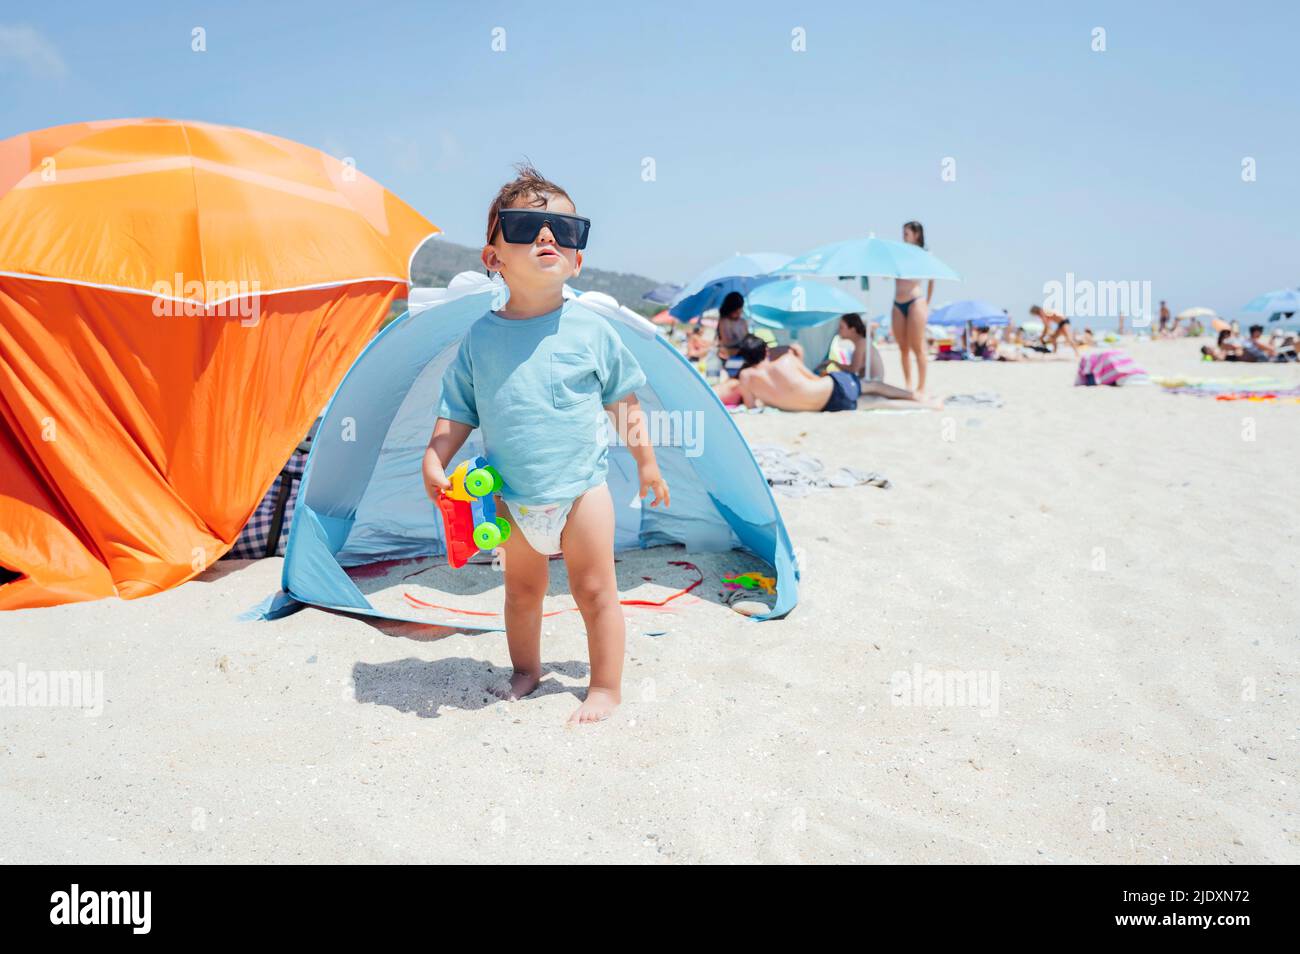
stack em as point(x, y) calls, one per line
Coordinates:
point(573, 378)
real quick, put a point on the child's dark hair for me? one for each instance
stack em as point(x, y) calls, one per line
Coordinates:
point(733, 302)
point(528, 183)
point(854, 321)
point(918, 230)
point(752, 349)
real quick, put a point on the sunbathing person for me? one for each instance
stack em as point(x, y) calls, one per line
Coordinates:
point(985, 345)
point(697, 345)
point(1225, 349)
point(731, 324)
point(780, 379)
point(854, 331)
point(1257, 349)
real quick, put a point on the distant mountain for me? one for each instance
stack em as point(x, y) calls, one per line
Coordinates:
point(438, 261)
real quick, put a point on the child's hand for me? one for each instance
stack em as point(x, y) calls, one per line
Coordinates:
point(652, 480)
point(435, 478)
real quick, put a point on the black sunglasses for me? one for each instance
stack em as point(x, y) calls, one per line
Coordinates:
point(521, 227)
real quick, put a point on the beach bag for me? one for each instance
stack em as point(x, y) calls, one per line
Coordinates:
point(267, 531)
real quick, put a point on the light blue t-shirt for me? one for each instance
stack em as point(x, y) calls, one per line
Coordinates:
point(536, 388)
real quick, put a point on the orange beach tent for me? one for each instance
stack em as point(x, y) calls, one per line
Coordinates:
point(178, 300)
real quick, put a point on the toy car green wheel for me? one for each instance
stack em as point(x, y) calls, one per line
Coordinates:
point(496, 478)
point(504, 524)
point(487, 536)
point(480, 482)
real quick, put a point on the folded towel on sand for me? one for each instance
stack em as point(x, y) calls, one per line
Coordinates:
point(1111, 366)
point(978, 399)
point(796, 474)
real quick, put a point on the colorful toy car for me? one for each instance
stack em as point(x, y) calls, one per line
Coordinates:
point(750, 581)
point(469, 514)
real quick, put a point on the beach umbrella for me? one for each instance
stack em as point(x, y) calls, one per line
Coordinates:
point(738, 273)
point(662, 294)
point(869, 257)
point(178, 300)
point(798, 303)
point(1275, 302)
point(977, 314)
point(1187, 314)
point(864, 258)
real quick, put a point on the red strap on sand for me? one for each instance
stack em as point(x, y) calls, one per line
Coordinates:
point(421, 604)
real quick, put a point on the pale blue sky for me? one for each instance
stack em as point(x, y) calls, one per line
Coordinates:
point(1123, 164)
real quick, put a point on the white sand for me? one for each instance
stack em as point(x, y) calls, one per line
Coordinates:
point(1123, 561)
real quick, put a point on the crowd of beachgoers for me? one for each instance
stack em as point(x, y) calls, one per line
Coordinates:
point(747, 367)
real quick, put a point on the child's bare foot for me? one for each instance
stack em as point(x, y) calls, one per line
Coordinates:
point(520, 685)
point(598, 706)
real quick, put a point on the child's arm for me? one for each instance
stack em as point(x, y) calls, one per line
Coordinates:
point(448, 436)
point(636, 436)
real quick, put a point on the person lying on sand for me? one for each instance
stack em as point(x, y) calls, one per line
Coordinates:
point(780, 379)
point(1257, 349)
point(1225, 349)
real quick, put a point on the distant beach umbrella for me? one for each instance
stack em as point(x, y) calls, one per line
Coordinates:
point(869, 257)
point(738, 273)
point(662, 294)
point(978, 314)
point(1187, 314)
point(1275, 302)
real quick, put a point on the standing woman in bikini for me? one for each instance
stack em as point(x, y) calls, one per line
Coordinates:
point(909, 316)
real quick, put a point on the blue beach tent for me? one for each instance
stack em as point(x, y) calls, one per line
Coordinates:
point(362, 498)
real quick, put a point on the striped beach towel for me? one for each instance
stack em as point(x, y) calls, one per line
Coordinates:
point(1106, 367)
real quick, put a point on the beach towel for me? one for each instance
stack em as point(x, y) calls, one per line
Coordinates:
point(977, 399)
point(1232, 389)
point(1111, 366)
point(266, 534)
point(796, 474)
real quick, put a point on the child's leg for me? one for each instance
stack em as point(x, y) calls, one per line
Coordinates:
point(527, 575)
point(588, 546)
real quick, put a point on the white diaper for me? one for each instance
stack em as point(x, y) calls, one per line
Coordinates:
point(542, 525)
